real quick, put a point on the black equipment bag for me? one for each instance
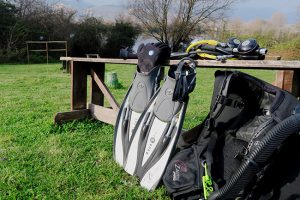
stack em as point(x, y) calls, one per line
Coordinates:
point(247, 147)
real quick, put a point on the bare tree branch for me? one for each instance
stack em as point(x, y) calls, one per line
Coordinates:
point(171, 21)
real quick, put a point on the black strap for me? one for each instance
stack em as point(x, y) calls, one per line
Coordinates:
point(217, 108)
point(185, 79)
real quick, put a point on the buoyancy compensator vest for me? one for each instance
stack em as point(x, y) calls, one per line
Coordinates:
point(246, 148)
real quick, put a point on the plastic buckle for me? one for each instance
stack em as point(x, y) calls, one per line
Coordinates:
point(207, 183)
point(177, 75)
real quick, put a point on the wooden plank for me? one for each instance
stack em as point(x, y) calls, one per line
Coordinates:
point(248, 64)
point(72, 115)
point(63, 42)
point(103, 114)
point(100, 83)
point(38, 50)
point(233, 64)
point(79, 85)
point(42, 42)
point(36, 42)
point(57, 49)
point(102, 60)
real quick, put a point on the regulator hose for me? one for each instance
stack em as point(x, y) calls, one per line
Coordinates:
point(251, 164)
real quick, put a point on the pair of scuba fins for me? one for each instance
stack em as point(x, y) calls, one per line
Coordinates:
point(151, 117)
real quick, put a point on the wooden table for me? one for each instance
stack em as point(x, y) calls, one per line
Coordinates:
point(289, 80)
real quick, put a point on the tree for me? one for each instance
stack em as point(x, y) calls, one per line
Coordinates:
point(92, 35)
point(122, 33)
point(23, 20)
point(52, 21)
point(89, 36)
point(173, 21)
point(7, 20)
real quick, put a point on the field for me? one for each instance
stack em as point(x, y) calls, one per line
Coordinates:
point(40, 160)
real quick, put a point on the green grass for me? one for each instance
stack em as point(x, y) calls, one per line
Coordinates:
point(289, 50)
point(39, 160)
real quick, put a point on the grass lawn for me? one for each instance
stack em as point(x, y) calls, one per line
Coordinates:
point(39, 160)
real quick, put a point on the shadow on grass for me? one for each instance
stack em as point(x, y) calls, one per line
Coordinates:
point(86, 125)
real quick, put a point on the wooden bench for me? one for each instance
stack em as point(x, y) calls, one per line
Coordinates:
point(95, 67)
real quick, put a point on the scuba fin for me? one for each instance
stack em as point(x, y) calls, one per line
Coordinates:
point(157, 131)
point(144, 85)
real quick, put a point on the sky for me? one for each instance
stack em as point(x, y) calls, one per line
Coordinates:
point(249, 10)
point(246, 10)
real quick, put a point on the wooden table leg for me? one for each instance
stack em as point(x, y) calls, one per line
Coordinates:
point(97, 96)
point(284, 79)
point(296, 83)
point(289, 80)
point(279, 78)
point(98, 91)
point(78, 94)
point(79, 85)
point(68, 67)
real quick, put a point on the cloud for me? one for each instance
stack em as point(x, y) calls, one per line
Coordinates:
point(107, 9)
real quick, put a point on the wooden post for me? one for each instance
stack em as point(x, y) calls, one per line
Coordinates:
point(27, 52)
point(79, 85)
point(97, 96)
point(47, 54)
point(285, 80)
point(66, 43)
point(296, 83)
point(68, 64)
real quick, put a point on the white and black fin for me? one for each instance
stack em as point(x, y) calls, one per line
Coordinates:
point(156, 133)
point(139, 94)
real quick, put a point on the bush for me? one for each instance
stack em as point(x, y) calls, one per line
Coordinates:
point(121, 34)
point(92, 36)
point(288, 50)
point(17, 56)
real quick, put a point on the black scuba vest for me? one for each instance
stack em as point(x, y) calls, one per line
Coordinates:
point(246, 148)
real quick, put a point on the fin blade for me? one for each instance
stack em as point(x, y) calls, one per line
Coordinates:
point(118, 141)
point(132, 155)
point(155, 134)
point(152, 177)
point(134, 148)
point(153, 172)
